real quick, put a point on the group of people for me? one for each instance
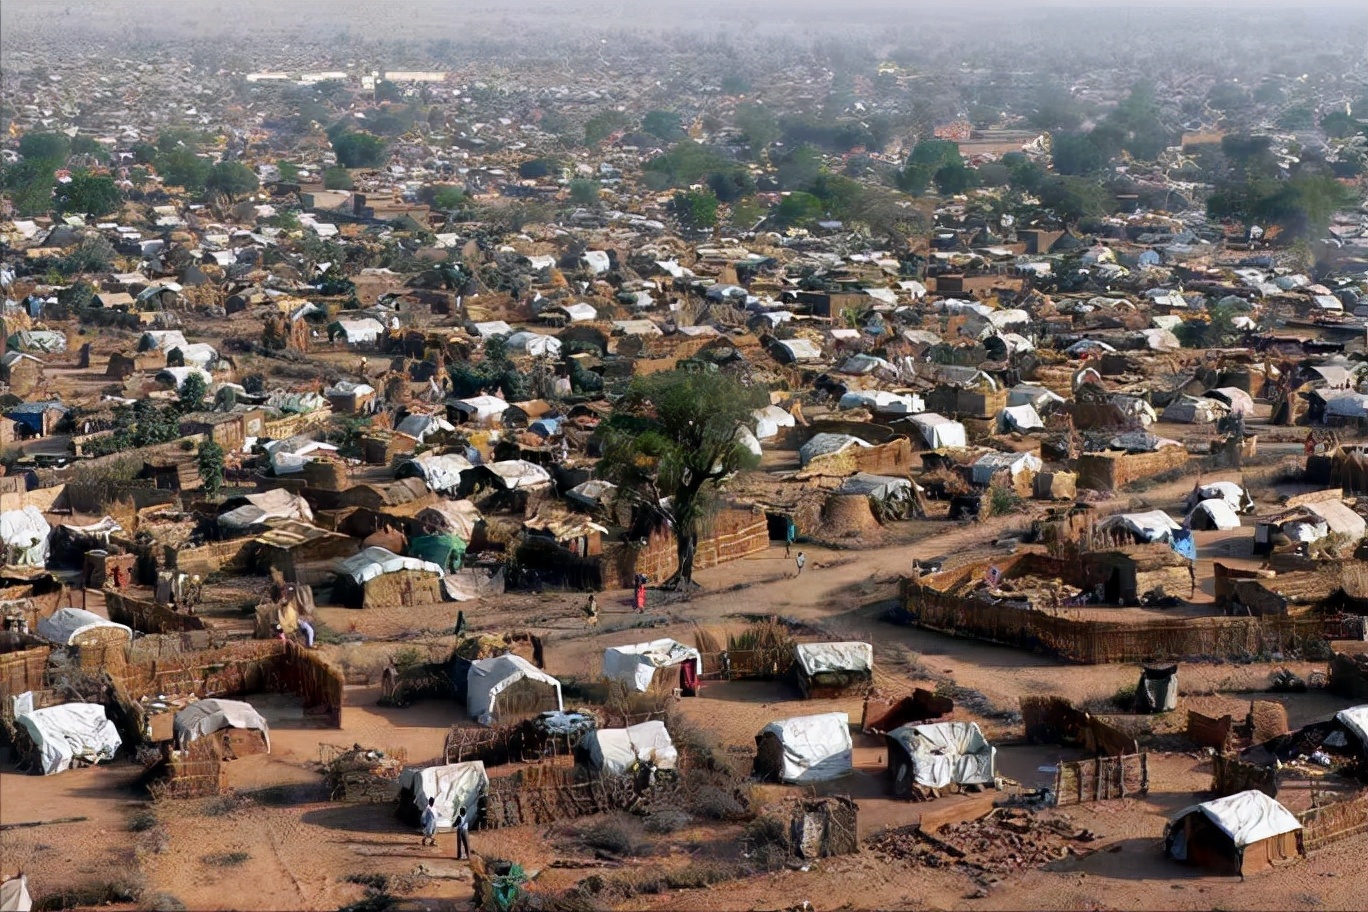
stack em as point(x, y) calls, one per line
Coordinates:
point(461, 826)
point(591, 609)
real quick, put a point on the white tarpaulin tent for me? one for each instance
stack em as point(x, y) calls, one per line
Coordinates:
point(1246, 817)
point(208, 716)
point(66, 625)
point(25, 536)
point(883, 401)
point(989, 464)
point(481, 409)
point(1151, 526)
point(1355, 718)
point(420, 426)
point(515, 474)
point(1019, 418)
point(818, 658)
point(267, 506)
point(69, 732)
point(534, 344)
point(769, 420)
point(162, 340)
point(1212, 514)
point(617, 750)
point(291, 455)
point(14, 895)
point(441, 471)
point(808, 748)
point(488, 678)
point(455, 516)
point(356, 331)
point(369, 563)
point(946, 752)
point(1231, 494)
point(825, 444)
point(453, 786)
point(940, 432)
point(635, 665)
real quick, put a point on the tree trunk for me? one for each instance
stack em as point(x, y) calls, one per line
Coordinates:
point(686, 545)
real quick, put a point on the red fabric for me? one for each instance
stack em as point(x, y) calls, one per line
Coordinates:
point(641, 598)
point(688, 679)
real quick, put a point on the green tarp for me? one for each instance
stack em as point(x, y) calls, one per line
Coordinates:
point(445, 550)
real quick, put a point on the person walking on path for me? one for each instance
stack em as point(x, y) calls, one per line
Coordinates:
point(788, 539)
point(462, 835)
point(801, 561)
point(591, 612)
point(430, 823)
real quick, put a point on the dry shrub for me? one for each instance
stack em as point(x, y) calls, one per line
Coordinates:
point(667, 820)
point(616, 834)
point(226, 859)
point(142, 820)
point(164, 902)
point(627, 884)
point(953, 481)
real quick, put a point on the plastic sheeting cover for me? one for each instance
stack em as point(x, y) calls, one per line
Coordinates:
point(71, 731)
point(1246, 817)
point(616, 750)
point(488, 678)
point(815, 747)
point(208, 716)
point(453, 786)
point(1355, 718)
point(946, 752)
point(25, 536)
point(66, 624)
point(816, 658)
point(14, 895)
point(370, 563)
point(635, 665)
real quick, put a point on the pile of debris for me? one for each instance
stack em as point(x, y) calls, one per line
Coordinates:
point(1002, 841)
point(361, 775)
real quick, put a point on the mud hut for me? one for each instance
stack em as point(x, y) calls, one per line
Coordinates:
point(827, 670)
point(1240, 834)
point(377, 578)
point(232, 725)
point(849, 516)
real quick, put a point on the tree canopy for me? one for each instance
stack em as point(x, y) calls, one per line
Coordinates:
point(359, 150)
point(232, 179)
point(676, 434)
point(88, 194)
point(695, 209)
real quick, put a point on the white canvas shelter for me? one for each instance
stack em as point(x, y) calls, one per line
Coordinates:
point(441, 471)
point(534, 344)
point(14, 895)
point(420, 426)
point(1355, 718)
point(1150, 526)
point(1339, 518)
point(1213, 514)
point(481, 408)
point(25, 534)
point(65, 626)
point(1019, 418)
point(940, 432)
point(1015, 464)
point(1228, 492)
point(814, 748)
point(455, 516)
point(290, 456)
point(515, 474)
point(175, 377)
point(268, 506)
point(1035, 396)
point(769, 420)
point(373, 562)
point(72, 731)
point(616, 751)
point(359, 331)
point(800, 349)
point(946, 752)
point(634, 666)
point(1246, 817)
point(198, 354)
point(488, 678)
point(883, 401)
point(452, 786)
point(578, 313)
point(825, 444)
point(205, 717)
point(493, 328)
point(162, 340)
point(1240, 402)
point(820, 658)
point(1195, 410)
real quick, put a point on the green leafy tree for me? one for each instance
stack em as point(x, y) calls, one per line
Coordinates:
point(289, 171)
point(1339, 125)
point(747, 213)
point(798, 169)
point(1076, 153)
point(955, 177)
point(695, 209)
point(602, 125)
point(676, 434)
point(359, 150)
point(144, 153)
point(663, 125)
point(232, 179)
point(538, 167)
point(88, 194)
point(178, 138)
point(1024, 174)
point(338, 179)
point(734, 84)
point(448, 198)
point(759, 126)
point(181, 167)
point(193, 389)
point(86, 145)
point(1075, 198)
point(584, 192)
point(798, 208)
point(731, 185)
point(686, 163)
point(1056, 109)
point(29, 184)
point(76, 296)
point(927, 157)
point(47, 147)
point(92, 254)
point(209, 460)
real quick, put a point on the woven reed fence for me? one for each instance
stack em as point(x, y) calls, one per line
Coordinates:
point(148, 617)
point(1326, 825)
point(1102, 779)
point(1230, 775)
point(542, 795)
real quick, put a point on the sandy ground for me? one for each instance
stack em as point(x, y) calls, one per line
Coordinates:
point(299, 849)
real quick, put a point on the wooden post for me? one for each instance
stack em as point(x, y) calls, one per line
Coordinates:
point(1097, 779)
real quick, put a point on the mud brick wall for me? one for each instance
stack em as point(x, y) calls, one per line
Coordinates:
point(1113, 471)
point(148, 617)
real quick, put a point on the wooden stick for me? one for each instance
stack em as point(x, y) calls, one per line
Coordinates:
point(38, 823)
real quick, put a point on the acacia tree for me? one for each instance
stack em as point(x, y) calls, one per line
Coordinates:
point(676, 435)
